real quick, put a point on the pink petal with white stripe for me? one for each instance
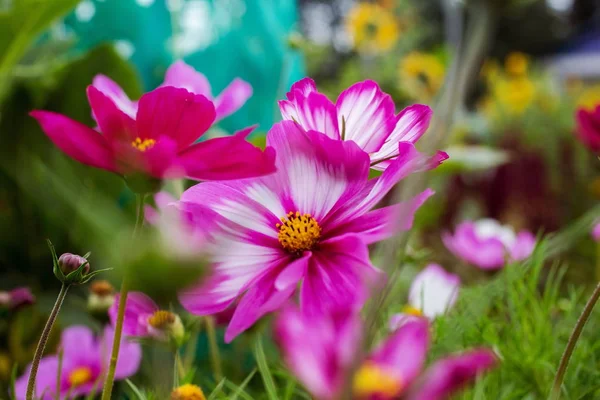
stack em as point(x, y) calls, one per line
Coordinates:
point(232, 98)
point(434, 291)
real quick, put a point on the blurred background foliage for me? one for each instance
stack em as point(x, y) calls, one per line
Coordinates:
point(513, 153)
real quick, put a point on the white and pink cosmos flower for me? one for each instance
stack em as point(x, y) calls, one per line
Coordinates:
point(320, 351)
point(363, 113)
point(432, 293)
point(596, 232)
point(489, 245)
point(303, 230)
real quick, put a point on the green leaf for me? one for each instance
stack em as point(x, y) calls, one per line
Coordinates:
point(239, 390)
point(213, 395)
point(135, 390)
point(263, 367)
point(20, 24)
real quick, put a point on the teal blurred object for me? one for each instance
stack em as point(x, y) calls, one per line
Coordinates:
point(223, 39)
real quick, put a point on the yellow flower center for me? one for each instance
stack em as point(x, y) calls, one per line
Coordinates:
point(410, 310)
point(298, 233)
point(143, 144)
point(161, 319)
point(372, 380)
point(80, 376)
point(187, 392)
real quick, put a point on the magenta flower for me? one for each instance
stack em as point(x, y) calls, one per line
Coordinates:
point(487, 244)
point(310, 223)
point(159, 142)
point(432, 293)
point(143, 318)
point(85, 360)
point(596, 232)
point(588, 127)
point(362, 113)
point(181, 75)
point(320, 350)
point(16, 298)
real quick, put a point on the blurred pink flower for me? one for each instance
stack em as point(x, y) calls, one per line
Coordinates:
point(487, 244)
point(362, 113)
point(16, 298)
point(159, 142)
point(85, 359)
point(310, 222)
point(596, 232)
point(181, 75)
point(432, 293)
point(320, 350)
point(588, 127)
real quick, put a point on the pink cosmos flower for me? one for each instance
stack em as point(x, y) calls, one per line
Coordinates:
point(16, 298)
point(596, 232)
point(362, 113)
point(588, 127)
point(143, 318)
point(310, 222)
point(181, 75)
point(487, 244)
point(432, 293)
point(159, 142)
point(319, 350)
point(85, 359)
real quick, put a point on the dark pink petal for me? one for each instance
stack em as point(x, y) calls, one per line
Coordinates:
point(114, 124)
point(523, 246)
point(138, 308)
point(45, 382)
point(225, 158)
point(404, 352)
point(130, 354)
point(159, 161)
point(316, 172)
point(232, 98)
point(447, 376)
point(303, 87)
point(176, 113)
point(384, 222)
point(340, 275)
point(111, 89)
point(313, 112)
point(261, 298)
point(412, 122)
point(367, 113)
point(79, 142)
point(184, 76)
point(588, 128)
point(488, 253)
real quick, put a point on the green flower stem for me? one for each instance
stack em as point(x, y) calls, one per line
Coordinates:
point(564, 360)
point(39, 351)
point(114, 356)
point(215, 356)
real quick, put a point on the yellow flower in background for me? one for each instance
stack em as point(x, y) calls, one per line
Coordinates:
point(373, 28)
point(490, 70)
point(589, 97)
point(514, 95)
point(516, 64)
point(421, 75)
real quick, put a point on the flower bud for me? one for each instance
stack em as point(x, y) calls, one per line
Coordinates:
point(71, 262)
point(16, 298)
point(166, 325)
point(188, 392)
point(102, 296)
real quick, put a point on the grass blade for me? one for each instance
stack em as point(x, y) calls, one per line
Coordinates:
point(263, 367)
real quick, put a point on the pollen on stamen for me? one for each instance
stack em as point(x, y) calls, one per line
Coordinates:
point(298, 232)
point(143, 144)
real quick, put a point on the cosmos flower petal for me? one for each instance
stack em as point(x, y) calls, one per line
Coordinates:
point(313, 112)
point(447, 376)
point(136, 305)
point(588, 128)
point(79, 142)
point(232, 98)
point(596, 232)
point(230, 157)
point(263, 297)
point(301, 88)
point(45, 382)
point(412, 123)
point(433, 291)
point(130, 354)
point(174, 112)
point(368, 115)
point(327, 287)
point(111, 89)
point(114, 124)
point(335, 169)
point(184, 76)
point(83, 336)
point(523, 246)
point(404, 352)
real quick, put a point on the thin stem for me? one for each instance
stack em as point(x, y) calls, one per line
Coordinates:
point(564, 360)
point(39, 351)
point(59, 373)
point(114, 356)
point(598, 261)
point(215, 355)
